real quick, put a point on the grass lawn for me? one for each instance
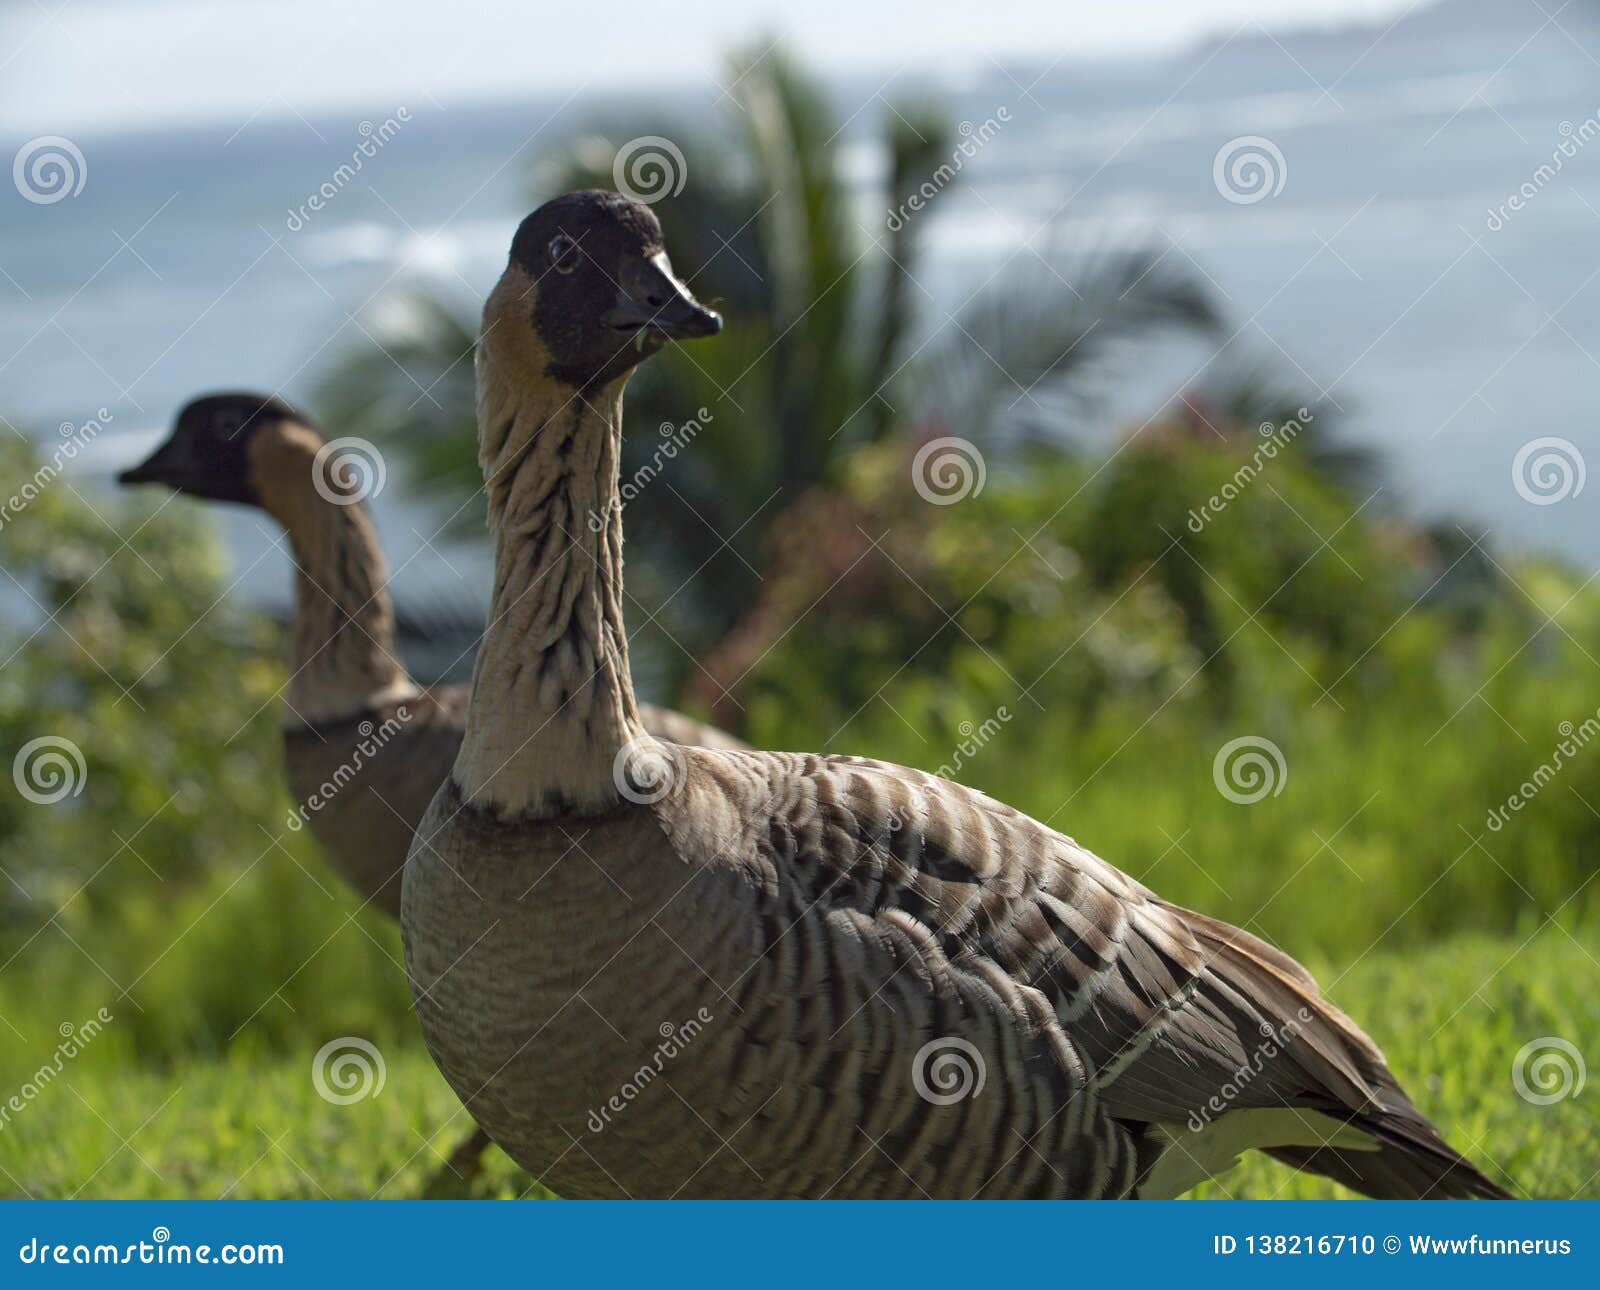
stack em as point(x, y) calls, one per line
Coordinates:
point(1451, 1018)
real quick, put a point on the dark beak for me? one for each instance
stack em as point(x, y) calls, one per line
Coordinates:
point(653, 300)
point(168, 464)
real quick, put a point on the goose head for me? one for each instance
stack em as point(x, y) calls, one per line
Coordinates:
point(214, 452)
point(589, 293)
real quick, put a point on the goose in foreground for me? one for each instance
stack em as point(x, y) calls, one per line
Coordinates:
point(365, 746)
point(652, 970)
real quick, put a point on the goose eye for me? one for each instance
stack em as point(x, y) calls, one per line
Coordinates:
point(563, 254)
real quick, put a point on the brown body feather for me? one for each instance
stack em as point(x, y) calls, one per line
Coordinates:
point(781, 975)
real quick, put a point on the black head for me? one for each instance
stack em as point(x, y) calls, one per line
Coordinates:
point(206, 454)
point(604, 294)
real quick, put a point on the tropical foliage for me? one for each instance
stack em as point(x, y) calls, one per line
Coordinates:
point(824, 353)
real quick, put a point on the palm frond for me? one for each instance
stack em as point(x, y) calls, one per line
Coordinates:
point(1021, 354)
point(1259, 394)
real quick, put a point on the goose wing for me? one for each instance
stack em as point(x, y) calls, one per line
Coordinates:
point(1198, 1037)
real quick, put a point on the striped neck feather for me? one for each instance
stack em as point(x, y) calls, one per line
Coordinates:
point(552, 700)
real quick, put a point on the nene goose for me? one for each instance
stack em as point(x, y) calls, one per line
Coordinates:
point(659, 971)
point(364, 745)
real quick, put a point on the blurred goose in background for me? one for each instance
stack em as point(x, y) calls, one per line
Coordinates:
point(652, 970)
point(365, 746)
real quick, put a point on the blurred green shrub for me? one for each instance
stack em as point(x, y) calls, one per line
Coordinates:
point(1126, 650)
point(162, 883)
point(124, 645)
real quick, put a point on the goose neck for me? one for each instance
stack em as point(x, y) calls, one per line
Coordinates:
point(552, 706)
point(343, 656)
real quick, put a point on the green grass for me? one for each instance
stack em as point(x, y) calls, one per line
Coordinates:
point(249, 1123)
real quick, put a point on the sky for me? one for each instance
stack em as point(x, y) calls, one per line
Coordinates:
point(89, 64)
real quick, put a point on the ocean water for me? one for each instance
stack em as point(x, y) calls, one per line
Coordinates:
point(1374, 272)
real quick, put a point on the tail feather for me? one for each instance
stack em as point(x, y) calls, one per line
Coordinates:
point(1404, 1157)
point(1394, 1172)
point(1411, 1162)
